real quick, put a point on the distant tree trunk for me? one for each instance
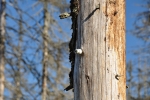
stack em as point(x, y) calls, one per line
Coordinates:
point(45, 51)
point(18, 75)
point(129, 69)
point(99, 72)
point(2, 47)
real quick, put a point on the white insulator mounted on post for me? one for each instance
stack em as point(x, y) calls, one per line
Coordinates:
point(78, 51)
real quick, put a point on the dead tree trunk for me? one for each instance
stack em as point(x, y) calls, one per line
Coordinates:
point(99, 72)
point(45, 51)
point(2, 47)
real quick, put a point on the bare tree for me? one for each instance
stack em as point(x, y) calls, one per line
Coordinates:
point(2, 47)
point(98, 38)
point(142, 23)
point(45, 51)
point(129, 73)
point(25, 45)
point(140, 69)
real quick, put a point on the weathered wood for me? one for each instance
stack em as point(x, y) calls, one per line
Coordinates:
point(99, 73)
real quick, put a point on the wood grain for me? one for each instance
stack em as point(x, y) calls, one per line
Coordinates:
point(101, 36)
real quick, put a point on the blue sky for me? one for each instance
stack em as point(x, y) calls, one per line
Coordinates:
point(132, 42)
point(132, 8)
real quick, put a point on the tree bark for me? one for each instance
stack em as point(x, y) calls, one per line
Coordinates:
point(99, 72)
point(2, 47)
point(45, 51)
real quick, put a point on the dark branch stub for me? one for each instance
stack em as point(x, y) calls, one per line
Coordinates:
point(74, 7)
point(64, 15)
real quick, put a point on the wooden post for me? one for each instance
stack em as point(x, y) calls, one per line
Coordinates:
point(99, 72)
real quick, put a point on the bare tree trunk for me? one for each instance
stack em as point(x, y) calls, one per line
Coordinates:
point(18, 76)
point(45, 51)
point(129, 68)
point(2, 47)
point(99, 72)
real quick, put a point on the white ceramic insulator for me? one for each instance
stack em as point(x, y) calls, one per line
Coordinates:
point(78, 51)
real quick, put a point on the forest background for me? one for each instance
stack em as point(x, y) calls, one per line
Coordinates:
point(36, 50)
